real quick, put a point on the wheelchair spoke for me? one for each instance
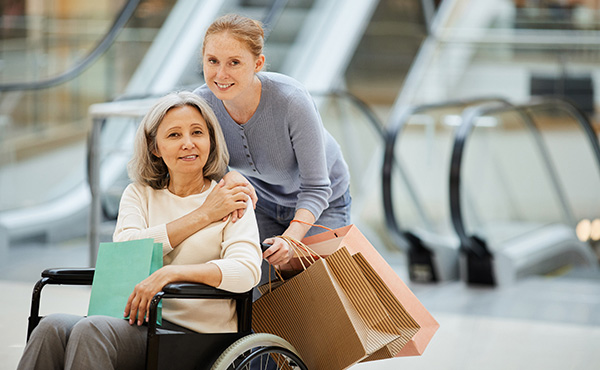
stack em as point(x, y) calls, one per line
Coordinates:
point(260, 352)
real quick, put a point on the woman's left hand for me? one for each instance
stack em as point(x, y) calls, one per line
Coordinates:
point(138, 304)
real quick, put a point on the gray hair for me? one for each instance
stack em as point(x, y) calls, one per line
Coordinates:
point(148, 169)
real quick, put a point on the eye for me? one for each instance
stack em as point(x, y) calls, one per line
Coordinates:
point(212, 61)
point(235, 62)
point(198, 132)
point(173, 134)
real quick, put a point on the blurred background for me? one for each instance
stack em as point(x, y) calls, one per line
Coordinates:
point(470, 128)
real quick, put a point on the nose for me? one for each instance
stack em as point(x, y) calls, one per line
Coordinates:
point(221, 72)
point(187, 142)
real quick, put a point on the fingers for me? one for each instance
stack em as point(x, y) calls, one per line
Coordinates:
point(225, 200)
point(278, 253)
point(254, 198)
point(131, 310)
point(138, 305)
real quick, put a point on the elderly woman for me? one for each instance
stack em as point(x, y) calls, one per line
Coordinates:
point(178, 199)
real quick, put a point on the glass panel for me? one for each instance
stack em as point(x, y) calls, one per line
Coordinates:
point(421, 174)
point(524, 15)
point(508, 183)
point(37, 125)
point(575, 161)
point(361, 140)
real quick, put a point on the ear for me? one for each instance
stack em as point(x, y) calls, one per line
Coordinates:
point(260, 63)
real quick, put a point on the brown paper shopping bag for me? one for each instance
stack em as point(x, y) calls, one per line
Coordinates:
point(330, 313)
point(350, 237)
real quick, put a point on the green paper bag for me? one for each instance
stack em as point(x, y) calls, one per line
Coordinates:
point(119, 267)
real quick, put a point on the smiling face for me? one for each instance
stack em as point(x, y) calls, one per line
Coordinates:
point(229, 66)
point(183, 143)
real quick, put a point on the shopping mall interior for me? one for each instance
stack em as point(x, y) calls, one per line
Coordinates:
point(470, 128)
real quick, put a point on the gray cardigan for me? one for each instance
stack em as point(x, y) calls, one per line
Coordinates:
point(284, 150)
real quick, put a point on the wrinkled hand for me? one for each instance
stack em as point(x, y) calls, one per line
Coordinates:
point(234, 178)
point(138, 304)
point(225, 199)
point(279, 253)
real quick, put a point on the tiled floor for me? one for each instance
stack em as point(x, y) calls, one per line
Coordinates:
point(540, 323)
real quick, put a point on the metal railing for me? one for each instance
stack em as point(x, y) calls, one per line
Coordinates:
point(390, 163)
point(462, 135)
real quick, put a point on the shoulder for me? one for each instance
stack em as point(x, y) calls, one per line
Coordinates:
point(205, 93)
point(137, 190)
point(278, 83)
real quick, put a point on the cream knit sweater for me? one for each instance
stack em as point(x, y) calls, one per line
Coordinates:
point(233, 247)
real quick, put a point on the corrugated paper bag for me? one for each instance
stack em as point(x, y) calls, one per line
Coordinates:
point(335, 313)
point(351, 238)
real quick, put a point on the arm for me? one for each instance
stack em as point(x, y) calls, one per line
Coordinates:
point(237, 269)
point(307, 136)
point(132, 222)
point(138, 303)
point(223, 200)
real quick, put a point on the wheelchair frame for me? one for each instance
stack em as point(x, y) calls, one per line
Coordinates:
point(169, 349)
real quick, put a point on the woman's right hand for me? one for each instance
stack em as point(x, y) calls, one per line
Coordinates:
point(223, 200)
point(279, 252)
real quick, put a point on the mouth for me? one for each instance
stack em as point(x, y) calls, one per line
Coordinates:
point(224, 86)
point(189, 157)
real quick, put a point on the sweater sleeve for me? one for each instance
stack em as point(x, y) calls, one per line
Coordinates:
point(308, 141)
point(132, 222)
point(241, 256)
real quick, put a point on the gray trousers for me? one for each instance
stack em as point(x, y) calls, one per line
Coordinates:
point(62, 341)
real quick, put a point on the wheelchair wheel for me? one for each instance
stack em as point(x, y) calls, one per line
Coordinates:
point(260, 351)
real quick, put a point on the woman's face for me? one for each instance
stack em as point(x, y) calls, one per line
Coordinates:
point(229, 66)
point(183, 141)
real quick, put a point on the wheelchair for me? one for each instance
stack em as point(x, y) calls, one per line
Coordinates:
point(172, 349)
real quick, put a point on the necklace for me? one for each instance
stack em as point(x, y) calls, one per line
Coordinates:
point(203, 185)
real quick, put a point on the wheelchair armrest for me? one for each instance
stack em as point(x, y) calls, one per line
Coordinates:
point(69, 276)
point(202, 291)
point(56, 276)
point(196, 290)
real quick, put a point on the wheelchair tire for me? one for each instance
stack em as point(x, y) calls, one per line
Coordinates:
point(260, 351)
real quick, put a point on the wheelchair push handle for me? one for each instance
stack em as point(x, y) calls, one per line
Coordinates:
point(264, 246)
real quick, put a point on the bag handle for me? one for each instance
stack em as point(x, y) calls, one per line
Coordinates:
point(301, 250)
point(321, 226)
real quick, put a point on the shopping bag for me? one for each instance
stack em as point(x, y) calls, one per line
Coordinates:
point(119, 267)
point(330, 313)
point(351, 238)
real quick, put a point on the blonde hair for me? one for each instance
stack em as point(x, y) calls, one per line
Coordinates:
point(148, 169)
point(244, 29)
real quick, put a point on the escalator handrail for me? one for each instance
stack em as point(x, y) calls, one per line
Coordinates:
point(465, 129)
point(389, 161)
point(124, 16)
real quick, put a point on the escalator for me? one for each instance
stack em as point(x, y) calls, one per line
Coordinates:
point(486, 191)
point(302, 34)
point(525, 199)
point(416, 167)
point(515, 51)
